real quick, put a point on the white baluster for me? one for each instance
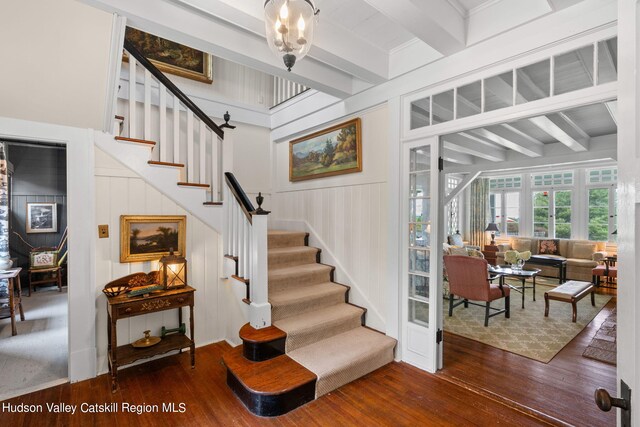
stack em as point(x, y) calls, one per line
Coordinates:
point(203, 153)
point(215, 189)
point(246, 247)
point(241, 246)
point(190, 161)
point(147, 105)
point(225, 228)
point(234, 227)
point(132, 97)
point(163, 124)
point(176, 130)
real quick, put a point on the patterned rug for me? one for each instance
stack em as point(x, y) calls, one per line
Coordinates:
point(603, 345)
point(527, 333)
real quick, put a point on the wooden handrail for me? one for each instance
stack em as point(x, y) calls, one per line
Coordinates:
point(240, 195)
point(129, 47)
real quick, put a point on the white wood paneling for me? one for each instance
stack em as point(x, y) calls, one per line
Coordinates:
point(121, 192)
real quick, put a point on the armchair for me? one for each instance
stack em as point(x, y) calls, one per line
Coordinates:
point(469, 280)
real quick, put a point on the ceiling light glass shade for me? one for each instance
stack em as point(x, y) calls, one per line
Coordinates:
point(290, 25)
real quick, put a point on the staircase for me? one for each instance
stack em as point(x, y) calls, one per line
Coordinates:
point(318, 341)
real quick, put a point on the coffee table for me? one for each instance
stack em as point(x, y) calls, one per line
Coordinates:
point(559, 263)
point(506, 271)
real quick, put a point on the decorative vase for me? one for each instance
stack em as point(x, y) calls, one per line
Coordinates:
point(517, 266)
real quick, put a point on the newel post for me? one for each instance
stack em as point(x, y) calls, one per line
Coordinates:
point(260, 309)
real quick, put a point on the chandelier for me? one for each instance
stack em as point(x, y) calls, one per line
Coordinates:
point(289, 25)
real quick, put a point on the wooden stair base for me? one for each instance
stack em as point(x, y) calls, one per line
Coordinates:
point(137, 141)
point(212, 203)
point(262, 344)
point(269, 388)
point(193, 184)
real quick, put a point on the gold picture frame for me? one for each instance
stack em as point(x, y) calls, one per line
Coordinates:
point(171, 57)
point(156, 235)
point(333, 151)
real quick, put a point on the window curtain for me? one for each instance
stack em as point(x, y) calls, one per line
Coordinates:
point(479, 212)
point(5, 258)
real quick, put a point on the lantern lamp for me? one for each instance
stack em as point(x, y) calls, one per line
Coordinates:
point(174, 271)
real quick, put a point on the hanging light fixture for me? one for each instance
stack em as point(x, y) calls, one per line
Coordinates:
point(289, 25)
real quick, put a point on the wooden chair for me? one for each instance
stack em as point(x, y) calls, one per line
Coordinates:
point(469, 280)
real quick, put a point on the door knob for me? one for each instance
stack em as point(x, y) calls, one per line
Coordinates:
point(605, 402)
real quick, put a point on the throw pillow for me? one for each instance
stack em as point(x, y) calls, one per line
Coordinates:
point(549, 247)
point(521, 245)
point(584, 250)
point(475, 253)
point(456, 250)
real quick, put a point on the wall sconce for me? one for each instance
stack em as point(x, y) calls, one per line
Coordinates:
point(174, 271)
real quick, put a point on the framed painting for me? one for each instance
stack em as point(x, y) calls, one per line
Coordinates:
point(171, 57)
point(333, 151)
point(150, 237)
point(42, 218)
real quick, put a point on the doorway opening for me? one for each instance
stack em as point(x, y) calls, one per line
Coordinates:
point(34, 226)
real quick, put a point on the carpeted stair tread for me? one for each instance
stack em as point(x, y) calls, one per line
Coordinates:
point(300, 300)
point(307, 328)
point(283, 238)
point(292, 256)
point(342, 358)
point(298, 276)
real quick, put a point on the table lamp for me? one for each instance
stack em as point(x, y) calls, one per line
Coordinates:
point(492, 227)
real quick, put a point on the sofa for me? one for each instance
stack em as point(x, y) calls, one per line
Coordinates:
point(581, 255)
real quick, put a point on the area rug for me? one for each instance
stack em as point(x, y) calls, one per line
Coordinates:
point(603, 345)
point(38, 354)
point(527, 333)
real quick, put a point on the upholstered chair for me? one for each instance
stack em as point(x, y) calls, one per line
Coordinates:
point(469, 280)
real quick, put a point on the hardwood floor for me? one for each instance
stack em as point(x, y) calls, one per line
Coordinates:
point(563, 388)
point(395, 395)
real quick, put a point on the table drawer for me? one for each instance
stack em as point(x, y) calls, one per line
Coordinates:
point(150, 305)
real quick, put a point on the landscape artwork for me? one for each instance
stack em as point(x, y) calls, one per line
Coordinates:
point(172, 57)
point(42, 218)
point(144, 238)
point(333, 151)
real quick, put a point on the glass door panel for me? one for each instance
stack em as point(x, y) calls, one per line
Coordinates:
point(562, 217)
point(541, 214)
point(422, 272)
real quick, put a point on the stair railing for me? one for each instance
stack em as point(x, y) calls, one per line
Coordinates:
point(245, 239)
point(191, 138)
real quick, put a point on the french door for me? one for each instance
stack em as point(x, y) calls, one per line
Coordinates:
point(421, 297)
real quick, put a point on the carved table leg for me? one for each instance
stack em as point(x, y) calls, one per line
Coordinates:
point(20, 298)
point(193, 338)
point(12, 308)
point(114, 352)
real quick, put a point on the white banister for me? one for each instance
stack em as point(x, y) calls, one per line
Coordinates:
point(246, 239)
point(202, 155)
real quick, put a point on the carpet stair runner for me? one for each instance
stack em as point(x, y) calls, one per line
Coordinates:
point(318, 340)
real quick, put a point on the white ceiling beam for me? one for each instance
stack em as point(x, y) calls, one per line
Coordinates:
point(435, 22)
point(511, 141)
point(469, 178)
point(358, 58)
point(219, 38)
point(455, 157)
point(467, 143)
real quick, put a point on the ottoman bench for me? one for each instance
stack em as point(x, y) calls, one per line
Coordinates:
point(572, 292)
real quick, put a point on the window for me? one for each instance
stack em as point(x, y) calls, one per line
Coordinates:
point(504, 204)
point(541, 214)
point(452, 210)
point(552, 214)
point(552, 178)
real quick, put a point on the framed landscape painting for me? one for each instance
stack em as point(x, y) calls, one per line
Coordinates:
point(171, 57)
point(333, 151)
point(150, 237)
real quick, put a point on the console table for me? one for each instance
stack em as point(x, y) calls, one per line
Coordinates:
point(490, 253)
point(122, 307)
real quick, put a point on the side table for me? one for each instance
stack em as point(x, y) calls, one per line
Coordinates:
point(490, 253)
point(122, 307)
point(14, 298)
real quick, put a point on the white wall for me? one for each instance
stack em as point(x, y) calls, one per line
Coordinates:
point(348, 213)
point(121, 192)
point(57, 62)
